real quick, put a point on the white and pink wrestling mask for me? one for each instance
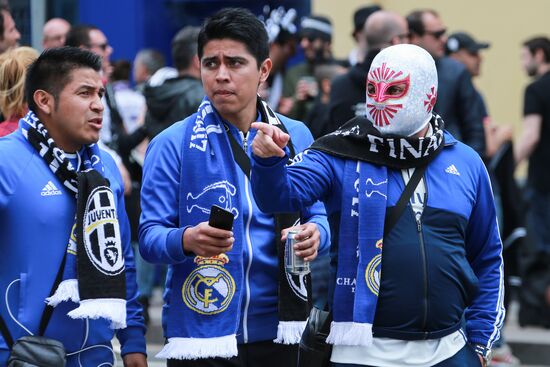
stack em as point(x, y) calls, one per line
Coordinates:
point(401, 90)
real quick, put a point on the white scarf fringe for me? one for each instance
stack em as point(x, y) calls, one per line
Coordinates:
point(290, 332)
point(67, 290)
point(112, 309)
point(195, 348)
point(350, 333)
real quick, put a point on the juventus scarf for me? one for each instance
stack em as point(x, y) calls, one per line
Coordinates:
point(94, 271)
point(207, 293)
point(358, 139)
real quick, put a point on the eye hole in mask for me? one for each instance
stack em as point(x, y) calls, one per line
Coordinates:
point(382, 91)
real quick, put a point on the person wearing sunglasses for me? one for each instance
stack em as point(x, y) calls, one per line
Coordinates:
point(9, 35)
point(347, 95)
point(93, 39)
point(299, 85)
point(457, 100)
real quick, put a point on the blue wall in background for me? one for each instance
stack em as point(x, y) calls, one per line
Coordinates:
point(131, 25)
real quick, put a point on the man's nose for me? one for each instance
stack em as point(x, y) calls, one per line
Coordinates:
point(222, 73)
point(97, 104)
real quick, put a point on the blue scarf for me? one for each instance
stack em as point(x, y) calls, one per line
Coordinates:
point(359, 253)
point(204, 314)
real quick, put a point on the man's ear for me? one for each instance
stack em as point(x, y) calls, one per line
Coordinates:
point(44, 101)
point(539, 56)
point(265, 69)
point(414, 39)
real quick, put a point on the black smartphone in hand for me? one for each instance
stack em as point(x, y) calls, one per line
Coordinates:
point(220, 218)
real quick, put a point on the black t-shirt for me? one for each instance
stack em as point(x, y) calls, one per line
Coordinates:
point(537, 101)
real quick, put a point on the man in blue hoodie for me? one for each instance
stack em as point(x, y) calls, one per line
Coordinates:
point(51, 222)
point(227, 294)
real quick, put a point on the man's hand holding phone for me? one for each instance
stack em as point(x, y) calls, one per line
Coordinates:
point(213, 237)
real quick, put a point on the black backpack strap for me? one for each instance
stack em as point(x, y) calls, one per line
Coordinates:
point(117, 124)
point(48, 311)
point(391, 219)
point(394, 215)
point(240, 156)
point(6, 333)
point(269, 116)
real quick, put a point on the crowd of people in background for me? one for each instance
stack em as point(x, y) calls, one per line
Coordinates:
point(144, 97)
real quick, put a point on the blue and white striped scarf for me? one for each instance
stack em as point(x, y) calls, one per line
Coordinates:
point(359, 253)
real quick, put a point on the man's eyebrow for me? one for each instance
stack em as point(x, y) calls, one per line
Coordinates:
point(236, 58)
point(208, 59)
point(90, 87)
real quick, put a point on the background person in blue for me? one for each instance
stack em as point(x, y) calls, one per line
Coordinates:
point(38, 174)
point(227, 296)
point(433, 295)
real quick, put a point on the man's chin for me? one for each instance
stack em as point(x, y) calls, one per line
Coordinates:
point(92, 139)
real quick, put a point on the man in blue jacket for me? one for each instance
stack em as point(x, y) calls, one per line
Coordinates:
point(433, 295)
point(227, 294)
point(62, 205)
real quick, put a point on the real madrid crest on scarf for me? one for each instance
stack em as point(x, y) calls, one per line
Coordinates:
point(210, 287)
point(374, 271)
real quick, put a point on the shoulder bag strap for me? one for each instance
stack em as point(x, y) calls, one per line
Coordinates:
point(6, 333)
point(395, 214)
point(391, 220)
point(241, 157)
point(46, 315)
point(48, 311)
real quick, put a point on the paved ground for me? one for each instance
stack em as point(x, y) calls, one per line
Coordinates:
point(531, 345)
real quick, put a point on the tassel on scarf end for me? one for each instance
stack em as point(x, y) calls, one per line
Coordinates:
point(350, 333)
point(67, 290)
point(112, 309)
point(196, 348)
point(290, 332)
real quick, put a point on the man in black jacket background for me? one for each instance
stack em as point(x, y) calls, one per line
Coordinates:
point(457, 101)
point(347, 94)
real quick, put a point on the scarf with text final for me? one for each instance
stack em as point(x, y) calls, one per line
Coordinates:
point(368, 155)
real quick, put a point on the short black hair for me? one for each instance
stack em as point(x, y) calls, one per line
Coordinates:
point(284, 37)
point(539, 43)
point(121, 70)
point(240, 25)
point(415, 22)
point(51, 72)
point(79, 35)
point(184, 47)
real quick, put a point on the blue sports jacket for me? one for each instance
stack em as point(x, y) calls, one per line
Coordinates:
point(439, 273)
point(37, 214)
point(161, 231)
